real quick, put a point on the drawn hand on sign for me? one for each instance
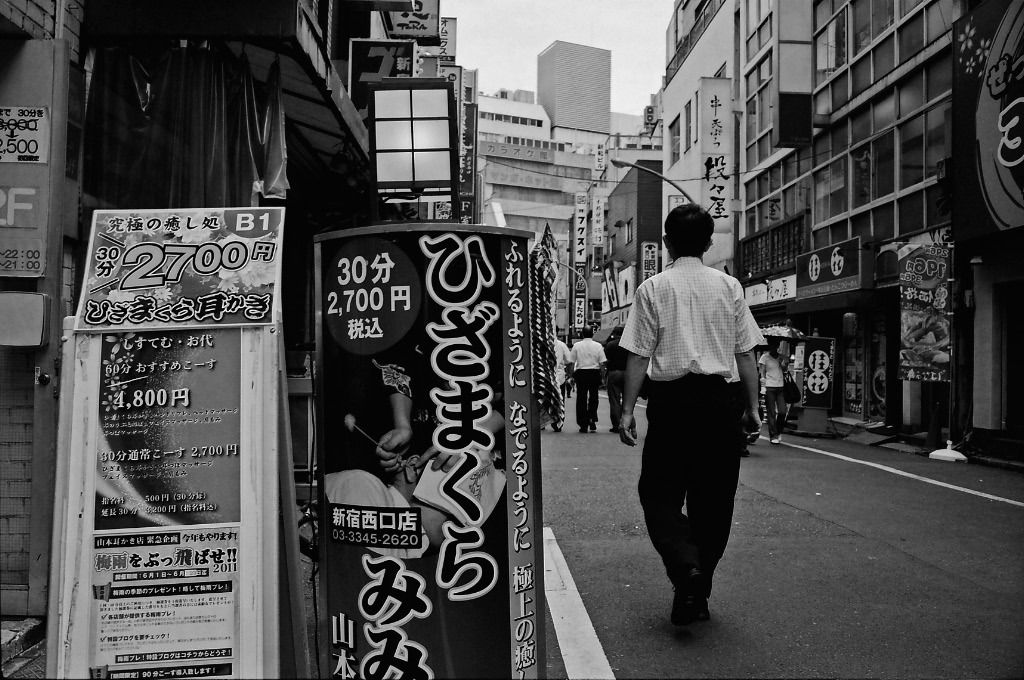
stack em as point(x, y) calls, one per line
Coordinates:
point(395, 442)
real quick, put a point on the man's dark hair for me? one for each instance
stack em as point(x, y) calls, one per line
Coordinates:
point(688, 228)
point(588, 332)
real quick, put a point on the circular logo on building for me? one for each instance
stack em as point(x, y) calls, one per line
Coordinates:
point(817, 382)
point(814, 267)
point(819, 361)
point(837, 261)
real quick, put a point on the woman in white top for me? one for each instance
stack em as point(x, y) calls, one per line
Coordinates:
point(772, 366)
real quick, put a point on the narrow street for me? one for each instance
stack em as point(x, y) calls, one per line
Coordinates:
point(834, 569)
point(845, 561)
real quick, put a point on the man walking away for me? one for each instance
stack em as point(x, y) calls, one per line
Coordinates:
point(689, 323)
point(587, 357)
point(772, 366)
point(561, 361)
point(616, 379)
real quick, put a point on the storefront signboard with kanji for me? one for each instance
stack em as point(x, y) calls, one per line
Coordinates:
point(171, 430)
point(431, 560)
point(819, 372)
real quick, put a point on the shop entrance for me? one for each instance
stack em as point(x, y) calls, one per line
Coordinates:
point(1013, 360)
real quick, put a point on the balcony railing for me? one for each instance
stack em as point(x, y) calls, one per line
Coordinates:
point(776, 248)
point(686, 45)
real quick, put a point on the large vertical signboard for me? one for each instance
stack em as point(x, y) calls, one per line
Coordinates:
point(162, 432)
point(988, 116)
point(924, 312)
point(716, 148)
point(430, 534)
point(579, 261)
point(819, 372)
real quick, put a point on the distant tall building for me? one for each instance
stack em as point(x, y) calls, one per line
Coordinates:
point(574, 85)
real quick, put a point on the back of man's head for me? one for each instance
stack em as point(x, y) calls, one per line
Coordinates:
point(688, 229)
point(588, 332)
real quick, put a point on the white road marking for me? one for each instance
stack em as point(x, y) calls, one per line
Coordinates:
point(905, 474)
point(581, 650)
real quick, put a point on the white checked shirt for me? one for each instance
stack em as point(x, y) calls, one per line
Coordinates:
point(587, 353)
point(690, 319)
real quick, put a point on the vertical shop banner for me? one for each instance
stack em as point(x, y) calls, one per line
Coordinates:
point(446, 31)
point(175, 268)
point(370, 61)
point(924, 312)
point(819, 372)
point(430, 534)
point(988, 117)
point(648, 260)
point(598, 228)
point(160, 430)
point(716, 148)
point(467, 161)
point(579, 260)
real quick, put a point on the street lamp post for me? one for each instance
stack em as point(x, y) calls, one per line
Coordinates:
point(626, 164)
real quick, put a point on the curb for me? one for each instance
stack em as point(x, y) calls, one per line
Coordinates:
point(990, 461)
point(19, 635)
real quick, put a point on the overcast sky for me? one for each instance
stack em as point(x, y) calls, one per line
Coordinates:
point(502, 38)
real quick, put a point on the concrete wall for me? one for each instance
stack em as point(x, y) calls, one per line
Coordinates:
point(714, 48)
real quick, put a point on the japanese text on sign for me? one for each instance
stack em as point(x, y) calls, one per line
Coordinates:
point(181, 267)
point(716, 149)
point(24, 134)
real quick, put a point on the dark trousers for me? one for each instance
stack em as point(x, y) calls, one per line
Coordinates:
point(616, 386)
point(691, 454)
point(588, 381)
point(777, 408)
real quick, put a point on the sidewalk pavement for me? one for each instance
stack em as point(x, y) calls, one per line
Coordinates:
point(24, 649)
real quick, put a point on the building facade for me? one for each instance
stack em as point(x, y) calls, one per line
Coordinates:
point(574, 86)
point(698, 124)
point(633, 245)
point(146, 113)
point(862, 182)
point(988, 216)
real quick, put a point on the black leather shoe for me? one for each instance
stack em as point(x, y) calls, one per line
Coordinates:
point(702, 610)
point(690, 600)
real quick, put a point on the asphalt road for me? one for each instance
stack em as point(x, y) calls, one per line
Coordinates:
point(834, 568)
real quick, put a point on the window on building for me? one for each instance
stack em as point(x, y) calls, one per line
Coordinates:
point(673, 134)
point(912, 151)
point(830, 48)
point(688, 121)
point(700, 12)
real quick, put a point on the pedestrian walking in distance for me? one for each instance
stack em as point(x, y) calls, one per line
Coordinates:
point(561, 361)
point(773, 366)
point(616, 379)
point(588, 361)
point(690, 329)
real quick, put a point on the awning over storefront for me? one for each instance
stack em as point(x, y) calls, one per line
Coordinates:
point(848, 300)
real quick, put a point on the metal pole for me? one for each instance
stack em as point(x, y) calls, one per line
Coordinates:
point(621, 164)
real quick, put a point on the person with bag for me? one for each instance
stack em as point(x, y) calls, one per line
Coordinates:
point(690, 332)
point(773, 367)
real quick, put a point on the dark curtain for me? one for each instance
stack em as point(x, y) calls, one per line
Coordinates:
point(185, 129)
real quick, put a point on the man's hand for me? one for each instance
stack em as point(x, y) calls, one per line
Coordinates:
point(750, 421)
point(391, 447)
point(627, 429)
